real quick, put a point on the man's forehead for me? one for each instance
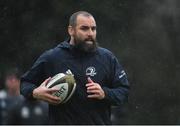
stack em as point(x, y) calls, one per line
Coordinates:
point(85, 20)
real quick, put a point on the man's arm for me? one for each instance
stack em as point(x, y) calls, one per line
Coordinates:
point(115, 94)
point(33, 77)
point(26, 89)
point(40, 93)
point(33, 83)
point(118, 92)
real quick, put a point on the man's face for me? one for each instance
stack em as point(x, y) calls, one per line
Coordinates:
point(84, 34)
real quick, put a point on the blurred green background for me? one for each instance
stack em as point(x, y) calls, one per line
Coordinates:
point(143, 34)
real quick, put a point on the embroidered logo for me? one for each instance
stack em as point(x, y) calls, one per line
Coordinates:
point(90, 71)
point(122, 74)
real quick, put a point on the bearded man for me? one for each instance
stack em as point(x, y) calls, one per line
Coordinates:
point(101, 80)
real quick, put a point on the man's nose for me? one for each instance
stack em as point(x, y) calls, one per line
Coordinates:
point(90, 32)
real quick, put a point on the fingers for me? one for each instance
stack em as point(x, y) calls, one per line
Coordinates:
point(51, 90)
point(94, 90)
point(98, 94)
point(89, 85)
point(46, 94)
point(89, 80)
point(46, 81)
point(92, 86)
point(93, 96)
point(52, 99)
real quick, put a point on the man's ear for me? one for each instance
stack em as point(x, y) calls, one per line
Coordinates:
point(70, 30)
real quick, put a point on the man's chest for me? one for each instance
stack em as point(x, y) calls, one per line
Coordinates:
point(82, 68)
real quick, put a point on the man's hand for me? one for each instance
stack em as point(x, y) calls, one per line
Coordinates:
point(94, 90)
point(45, 94)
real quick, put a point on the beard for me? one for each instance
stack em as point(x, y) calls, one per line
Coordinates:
point(87, 45)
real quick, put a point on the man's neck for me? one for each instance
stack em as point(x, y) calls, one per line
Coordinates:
point(71, 42)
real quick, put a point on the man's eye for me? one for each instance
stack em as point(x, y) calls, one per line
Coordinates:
point(84, 28)
point(93, 28)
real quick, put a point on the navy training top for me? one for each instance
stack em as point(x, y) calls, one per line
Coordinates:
point(101, 66)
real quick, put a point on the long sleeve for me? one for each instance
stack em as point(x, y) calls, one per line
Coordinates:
point(118, 92)
point(34, 77)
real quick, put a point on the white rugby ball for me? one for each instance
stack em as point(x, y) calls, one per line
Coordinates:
point(66, 85)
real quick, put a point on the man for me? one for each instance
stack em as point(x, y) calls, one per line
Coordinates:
point(101, 81)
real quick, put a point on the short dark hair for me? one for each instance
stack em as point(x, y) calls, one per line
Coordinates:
point(73, 18)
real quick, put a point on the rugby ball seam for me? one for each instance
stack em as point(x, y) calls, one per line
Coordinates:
point(72, 92)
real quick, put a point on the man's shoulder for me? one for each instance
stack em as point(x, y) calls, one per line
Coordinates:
point(52, 52)
point(104, 51)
